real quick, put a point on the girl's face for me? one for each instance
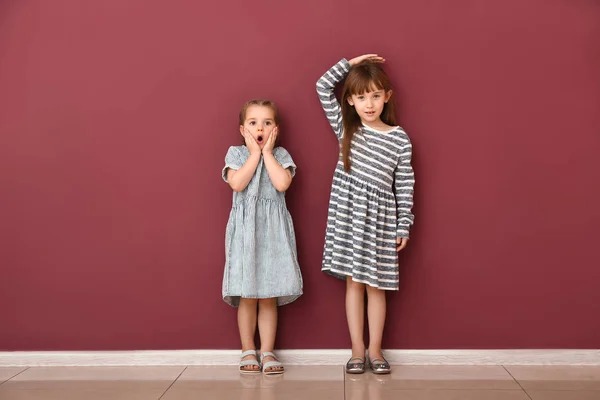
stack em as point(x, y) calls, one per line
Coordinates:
point(260, 121)
point(369, 105)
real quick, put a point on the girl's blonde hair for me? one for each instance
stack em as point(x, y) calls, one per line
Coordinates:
point(261, 103)
point(364, 77)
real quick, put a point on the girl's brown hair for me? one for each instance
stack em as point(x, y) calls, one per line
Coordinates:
point(364, 77)
point(262, 103)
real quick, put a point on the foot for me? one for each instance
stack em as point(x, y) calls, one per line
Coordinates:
point(355, 365)
point(378, 364)
point(249, 362)
point(271, 364)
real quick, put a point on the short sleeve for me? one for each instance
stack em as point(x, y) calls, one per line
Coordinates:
point(233, 160)
point(285, 160)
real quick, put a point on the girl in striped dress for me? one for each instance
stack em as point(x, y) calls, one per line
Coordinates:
point(371, 198)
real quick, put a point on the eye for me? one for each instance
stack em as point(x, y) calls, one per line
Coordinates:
point(377, 96)
point(361, 97)
point(268, 123)
point(252, 123)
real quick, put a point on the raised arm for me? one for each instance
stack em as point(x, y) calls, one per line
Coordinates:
point(325, 86)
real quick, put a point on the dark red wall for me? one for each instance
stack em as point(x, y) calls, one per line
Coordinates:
point(115, 117)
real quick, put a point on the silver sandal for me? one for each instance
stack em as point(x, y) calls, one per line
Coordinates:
point(270, 364)
point(245, 363)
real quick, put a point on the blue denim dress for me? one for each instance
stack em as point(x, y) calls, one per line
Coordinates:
point(260, 245)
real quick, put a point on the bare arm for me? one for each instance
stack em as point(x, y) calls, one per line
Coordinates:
point(239, 179)
point(280, 177)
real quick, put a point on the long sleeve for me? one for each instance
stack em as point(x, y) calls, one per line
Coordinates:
point(325, 90)
point(404, 188)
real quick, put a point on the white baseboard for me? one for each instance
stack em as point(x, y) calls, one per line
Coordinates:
point(298, 357)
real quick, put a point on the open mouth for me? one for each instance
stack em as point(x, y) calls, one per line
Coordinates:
point(259, 139)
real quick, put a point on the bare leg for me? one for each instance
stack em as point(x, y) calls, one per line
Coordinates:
point(247, 312)
point(267, 327)
point(355, 313)
point(376, 310)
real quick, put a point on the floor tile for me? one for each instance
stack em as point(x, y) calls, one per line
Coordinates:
point(551, 377)
point(440, 377)
point(140, 391)
point(8, 372)
point(137, 373)
point(564, 394)
point(90, 383)
point(446, 394)
point(314, 383)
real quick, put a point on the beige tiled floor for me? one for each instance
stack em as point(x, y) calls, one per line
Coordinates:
point(7, 373)
point(557, 377)
point(311, 383)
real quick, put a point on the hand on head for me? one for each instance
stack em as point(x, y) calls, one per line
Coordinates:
point(371, 57)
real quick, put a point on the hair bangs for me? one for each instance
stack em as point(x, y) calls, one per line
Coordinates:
point(364, 82)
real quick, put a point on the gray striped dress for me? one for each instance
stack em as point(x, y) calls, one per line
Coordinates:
point(371, 205)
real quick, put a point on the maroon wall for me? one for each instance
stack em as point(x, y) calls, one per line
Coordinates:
point(115, 118)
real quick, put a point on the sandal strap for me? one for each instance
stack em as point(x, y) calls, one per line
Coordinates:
point(248, 353)
point(271, 364)
point(267, 354)
point(249, 362)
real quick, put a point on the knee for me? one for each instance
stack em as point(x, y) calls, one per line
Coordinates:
point(354, 286)
point(267, 303)
point(375, 292)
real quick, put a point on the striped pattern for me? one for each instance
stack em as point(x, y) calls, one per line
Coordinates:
point(371, 205)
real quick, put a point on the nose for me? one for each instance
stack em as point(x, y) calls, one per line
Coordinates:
point(260, 129)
